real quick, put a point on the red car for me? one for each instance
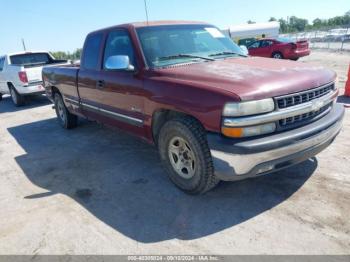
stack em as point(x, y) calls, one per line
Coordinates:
point(280, 48)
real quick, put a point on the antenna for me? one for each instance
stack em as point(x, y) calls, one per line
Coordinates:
point(146, 10)
point(24, 45)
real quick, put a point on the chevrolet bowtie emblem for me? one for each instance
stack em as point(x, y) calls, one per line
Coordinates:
point(316, 105)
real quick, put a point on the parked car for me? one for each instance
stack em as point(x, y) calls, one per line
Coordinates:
point(280, 48)
point(214, 113)
point(20, 74)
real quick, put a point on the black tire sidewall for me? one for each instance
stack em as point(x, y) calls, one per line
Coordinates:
point(277, 53)
point(17, 100)
point(169, 131)
point(63, 122)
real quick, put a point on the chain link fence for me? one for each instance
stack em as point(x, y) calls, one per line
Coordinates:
point(334, 39)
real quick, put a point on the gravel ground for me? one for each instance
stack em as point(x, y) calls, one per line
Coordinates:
point(96, 191)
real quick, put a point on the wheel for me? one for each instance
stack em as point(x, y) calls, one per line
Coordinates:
point(65, 118)
point(277, 55)
point(17, 99)
point(184, 151)
point(0, 96)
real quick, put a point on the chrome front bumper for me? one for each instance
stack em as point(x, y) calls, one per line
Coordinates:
point(235, 160)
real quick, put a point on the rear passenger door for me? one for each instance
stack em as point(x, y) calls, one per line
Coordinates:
point(89, 74)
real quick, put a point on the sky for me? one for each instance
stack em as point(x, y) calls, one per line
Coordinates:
point(61, 25)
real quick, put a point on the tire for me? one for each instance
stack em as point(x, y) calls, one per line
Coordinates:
point(277, 55)
point(17, 99)
point(184, 139)
point(65, 118)
point(0, 96)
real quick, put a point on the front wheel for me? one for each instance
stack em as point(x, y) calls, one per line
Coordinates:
point(65, 118)
point(185, 153)
point(17, 99)
point(277, 55)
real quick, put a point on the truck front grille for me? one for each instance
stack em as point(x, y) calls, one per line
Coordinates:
point(303, 119)
point(303, 97)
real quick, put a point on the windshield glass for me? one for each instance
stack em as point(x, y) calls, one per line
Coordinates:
point(174, 44)
point(30, 59)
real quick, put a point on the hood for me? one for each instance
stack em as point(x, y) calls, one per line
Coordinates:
point(251, 78)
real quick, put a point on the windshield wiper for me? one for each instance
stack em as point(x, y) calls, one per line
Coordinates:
point(184, 56)
point(227, 53)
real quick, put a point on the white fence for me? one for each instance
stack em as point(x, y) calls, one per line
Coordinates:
point(336, 39)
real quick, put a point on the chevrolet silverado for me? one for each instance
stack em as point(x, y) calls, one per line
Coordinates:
point(213, 112)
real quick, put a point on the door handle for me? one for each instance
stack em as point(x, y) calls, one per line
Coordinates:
point(100, 84)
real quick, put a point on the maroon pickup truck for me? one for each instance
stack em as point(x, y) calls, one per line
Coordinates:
point(214, 113)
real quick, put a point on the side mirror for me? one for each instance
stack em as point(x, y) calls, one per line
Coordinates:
point(119, 62)
point(244, 49)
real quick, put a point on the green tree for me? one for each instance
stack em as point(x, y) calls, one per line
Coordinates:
point(272, 19)
point(67, 55)
point(251, 22)
point(297, 24)
point(283, 25)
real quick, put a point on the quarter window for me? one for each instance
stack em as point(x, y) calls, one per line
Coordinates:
point(92, 51)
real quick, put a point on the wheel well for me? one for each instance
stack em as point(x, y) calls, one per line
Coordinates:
point(160, 117)
point(9, 85)
point(54, 91)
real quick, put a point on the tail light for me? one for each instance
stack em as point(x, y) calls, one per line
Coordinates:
point(23, 77)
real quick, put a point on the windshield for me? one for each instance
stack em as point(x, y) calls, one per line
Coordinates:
point(175, 44)
point(30, 59)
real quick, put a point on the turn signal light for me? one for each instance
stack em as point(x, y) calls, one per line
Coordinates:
point(232, 132)
point(249, 130)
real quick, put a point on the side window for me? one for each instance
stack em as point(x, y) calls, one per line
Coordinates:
point(254, 45)
point(266, 43)
point(119, 43)
point(92, 51)
point(2, 62)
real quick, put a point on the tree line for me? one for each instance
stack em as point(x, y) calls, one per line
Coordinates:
point(67, 55)
point(295, 24)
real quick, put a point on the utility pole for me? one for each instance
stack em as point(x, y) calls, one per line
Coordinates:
point(24, 45)
point(146, 10)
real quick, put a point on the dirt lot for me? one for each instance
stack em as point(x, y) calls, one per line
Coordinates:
point(96, 191)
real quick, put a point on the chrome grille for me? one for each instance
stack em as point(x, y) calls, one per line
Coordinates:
point(304, 118)
point(303, 97)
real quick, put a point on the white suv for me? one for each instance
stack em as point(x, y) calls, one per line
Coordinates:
point(20, 74)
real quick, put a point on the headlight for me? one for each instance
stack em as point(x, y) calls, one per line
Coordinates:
point(249, 131)
point(249, 108)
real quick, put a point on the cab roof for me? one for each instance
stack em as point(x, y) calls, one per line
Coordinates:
point(152, 23)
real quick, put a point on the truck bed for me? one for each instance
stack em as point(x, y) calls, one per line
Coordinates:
point(64, 77)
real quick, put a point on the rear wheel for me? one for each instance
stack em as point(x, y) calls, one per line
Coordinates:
point(277, 55)
point(17, 99)
point(185, 153)
point(65, 118)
